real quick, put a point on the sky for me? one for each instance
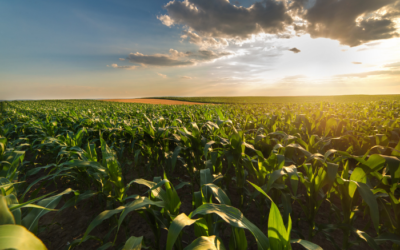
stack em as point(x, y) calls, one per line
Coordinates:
point(145, 48)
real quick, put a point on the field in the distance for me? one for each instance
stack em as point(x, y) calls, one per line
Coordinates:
point(154, 101)
point(284, 99)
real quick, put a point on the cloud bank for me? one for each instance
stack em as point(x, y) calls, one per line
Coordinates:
point(173, 59)
point(352, 22)
point(220, 18)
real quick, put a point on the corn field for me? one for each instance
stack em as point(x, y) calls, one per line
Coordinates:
point(230, 176)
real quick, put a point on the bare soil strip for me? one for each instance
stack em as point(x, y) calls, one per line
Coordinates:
point(155, 101)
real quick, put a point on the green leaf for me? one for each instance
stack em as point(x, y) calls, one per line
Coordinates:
point(157, 192)
point(370, 199)
point(219, 194)
point(358, 175)
point(18, 237)
point(133, 243)
point(137, 204)
point(235, 218)
point(17, 206)
point(174, 158)
point(6, 217)
point(396, 151)
point(394, 167)
point(205, 178)
point(201, 228)
point(30, 221)
point(105, 246)
point(206, 243)
point(364, 236)
point(238, 239)
point(277, 234)
point(77, 198)
point(207, 147)
point(175, 229)
point(388, 236)
point(260, 190)
point(308, 245)
point(100, 218)
point(172, 203)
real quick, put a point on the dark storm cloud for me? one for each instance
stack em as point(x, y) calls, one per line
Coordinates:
point(220, 18)
point(295, 50)
point(352, 22)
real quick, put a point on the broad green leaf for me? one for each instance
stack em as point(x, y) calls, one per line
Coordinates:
point(206, 243)
point(205, 178)
point(173, 202)
point(137, 204)
point(364, 236)
point(235, 218)
point(105, 246)
point(277, 234)
point(133, 243)
point(370, 199)
point(100, 218)
point(156, 192)
point(6, 217)
point(18, 237)
point(78, 197)
point(358, 175)
point(219, 194)
point(175, 229)
point(388, 237)
point(30, 221)
point(306, 244)
point(238, 239)
point(17, 206)
point(394, 167)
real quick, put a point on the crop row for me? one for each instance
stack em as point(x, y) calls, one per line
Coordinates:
point(306, 171)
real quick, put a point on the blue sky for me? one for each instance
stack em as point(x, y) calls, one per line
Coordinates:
point(123, 49)
point(47, 36)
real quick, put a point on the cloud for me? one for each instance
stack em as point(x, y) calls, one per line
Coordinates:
point(176, 58)
point(208, 55)
point(204, 42)
point(166, 20)
point(295, 50)
point(221, 19)
point(352, 22)
point(186, 77)
point(122, 59)
point(393, 65)
point(157, 60)
point(356, 62)
point(116, 66)
point(162, 75)
point(392, 72)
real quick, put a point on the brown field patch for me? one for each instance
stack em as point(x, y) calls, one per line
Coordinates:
point(155, 101)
